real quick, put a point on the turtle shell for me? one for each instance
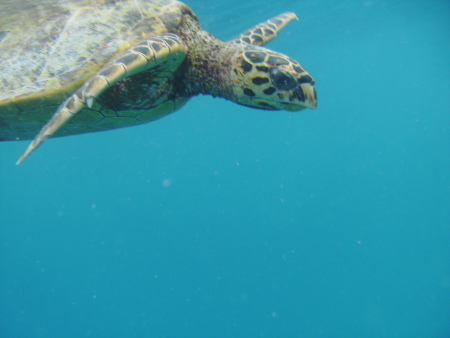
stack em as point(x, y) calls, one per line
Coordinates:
point(49, 48)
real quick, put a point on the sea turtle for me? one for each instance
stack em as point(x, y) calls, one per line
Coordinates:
point(104, 64)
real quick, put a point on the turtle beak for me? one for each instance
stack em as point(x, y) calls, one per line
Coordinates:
point(306, 97)
point(309, 91)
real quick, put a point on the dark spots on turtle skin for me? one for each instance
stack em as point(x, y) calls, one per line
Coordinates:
point(255, 57)
point(282, 80)
point(249, 92)
point(272, 26)
point(144, 50)
point(79, 60)
point(258, 39)
point(280, 96)
point(306, 79)
point(246, 40)
point(170, 42)
point(298, 69)
point(127, 59)
point(276, 21)
point(260, 80)
point(109, 71)
point(246, 67)
point(268, 32)
point(258, 31)
point(275, 60)
point(269, 91)
point(263, 69)
point(297, 95)
point(156, 46)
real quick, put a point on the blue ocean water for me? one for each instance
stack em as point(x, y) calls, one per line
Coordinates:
point(223, 221)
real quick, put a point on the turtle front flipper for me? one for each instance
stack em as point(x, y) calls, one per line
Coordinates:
point(165, 51)
point(265, 31)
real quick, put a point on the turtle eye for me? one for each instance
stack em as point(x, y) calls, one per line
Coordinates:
point(282, 80)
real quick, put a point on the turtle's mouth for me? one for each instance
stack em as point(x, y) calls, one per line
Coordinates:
point(300, 97)
point(304, 96)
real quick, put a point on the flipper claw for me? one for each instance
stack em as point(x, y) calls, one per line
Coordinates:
point(90, 101)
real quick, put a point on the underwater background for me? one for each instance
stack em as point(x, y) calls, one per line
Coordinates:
point(224, 221)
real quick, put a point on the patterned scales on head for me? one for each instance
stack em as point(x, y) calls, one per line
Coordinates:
point(270, 80)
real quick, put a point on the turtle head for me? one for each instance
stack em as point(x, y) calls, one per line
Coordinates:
point(268, 80)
